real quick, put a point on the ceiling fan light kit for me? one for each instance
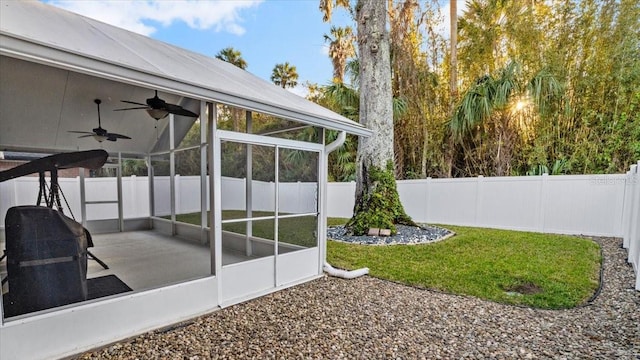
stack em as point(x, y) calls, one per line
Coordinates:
point(99, 138)
point(157, 113)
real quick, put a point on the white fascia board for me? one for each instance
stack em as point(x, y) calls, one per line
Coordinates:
point(26, 50)
point(268, 141)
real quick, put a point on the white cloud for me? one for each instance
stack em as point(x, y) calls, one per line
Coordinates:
point(130, 14)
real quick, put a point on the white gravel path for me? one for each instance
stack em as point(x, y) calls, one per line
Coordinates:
point(368, 318)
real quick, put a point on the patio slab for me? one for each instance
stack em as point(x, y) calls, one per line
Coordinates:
point(148, 259)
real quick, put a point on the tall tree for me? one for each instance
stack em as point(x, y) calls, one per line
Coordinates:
point(285, 75)
point(408, 69)
point(590, 46)
point(232, 56)
point(345, 100)
point(377, 204)
point(453, 76)
point(453, 60)
point(341, 48)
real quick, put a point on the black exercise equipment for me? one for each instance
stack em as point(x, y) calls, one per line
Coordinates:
point(46, 251)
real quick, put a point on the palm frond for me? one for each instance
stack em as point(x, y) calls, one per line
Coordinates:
point(507, 84)
point(353, 69)
point(544, 88)
point(342, 95)
point(475, 107)
point(400, 107)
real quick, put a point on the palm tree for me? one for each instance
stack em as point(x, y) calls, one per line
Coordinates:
point(285, 75)
point(341, 48)
point(232, 56)
point(492, 105)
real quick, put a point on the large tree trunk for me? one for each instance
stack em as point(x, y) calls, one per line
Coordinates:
point(376, 104)
point(375, 173)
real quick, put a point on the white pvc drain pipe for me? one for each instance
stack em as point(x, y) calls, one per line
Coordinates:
point(344, 274)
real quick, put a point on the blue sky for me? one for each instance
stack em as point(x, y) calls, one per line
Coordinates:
point(266, 32)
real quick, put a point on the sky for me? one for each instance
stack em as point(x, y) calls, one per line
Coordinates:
point(266, 32)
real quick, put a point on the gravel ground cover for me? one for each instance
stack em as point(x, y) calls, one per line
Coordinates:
point(406, 235)
point(369, 318)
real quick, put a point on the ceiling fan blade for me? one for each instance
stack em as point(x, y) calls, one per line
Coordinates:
point(178, 110)
point(158, 108)
point(86, 136)
point(80, 132)
point(118, 136)
point(134, 103)
point(133, 108)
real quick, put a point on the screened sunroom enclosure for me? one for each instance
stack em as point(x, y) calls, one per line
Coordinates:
point(189, 215)
point(266, 204)
point(232, 215)
point(269, 211)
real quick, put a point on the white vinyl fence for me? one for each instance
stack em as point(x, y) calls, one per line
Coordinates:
point(631, 220)
point(572, 204)
point(135, 196)
point(296, 197)
point(596, 205)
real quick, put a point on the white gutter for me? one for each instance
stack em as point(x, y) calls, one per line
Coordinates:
point(336, 143)
point(330, 270)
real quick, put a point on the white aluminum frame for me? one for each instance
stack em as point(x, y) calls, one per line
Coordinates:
point(216, 233)
point(118, 201)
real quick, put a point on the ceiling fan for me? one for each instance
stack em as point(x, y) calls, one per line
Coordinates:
point(99, 133)
point(158, 108)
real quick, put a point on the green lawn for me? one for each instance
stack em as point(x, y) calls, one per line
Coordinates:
point(512, 267)
point(299, 231)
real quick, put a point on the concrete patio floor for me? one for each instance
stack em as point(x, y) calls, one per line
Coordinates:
point(148, 259)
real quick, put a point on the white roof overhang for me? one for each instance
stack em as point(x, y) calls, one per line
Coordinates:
point(53, 63)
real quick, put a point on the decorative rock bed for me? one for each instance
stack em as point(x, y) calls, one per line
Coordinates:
point(406, 235)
